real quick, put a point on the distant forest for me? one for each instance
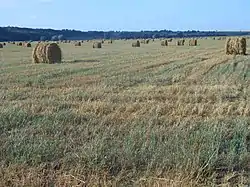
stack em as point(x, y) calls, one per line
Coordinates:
point(28, 34)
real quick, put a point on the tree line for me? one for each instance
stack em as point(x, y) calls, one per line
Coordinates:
point(28, 34)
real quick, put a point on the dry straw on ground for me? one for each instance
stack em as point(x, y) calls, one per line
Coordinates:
point(97, 45)
point(143, 42)
point(78, 44)
point(164, 43)
point(136, 44)
point(193, 42)
point(181, 42)
point(236, 46)
point(47, 53)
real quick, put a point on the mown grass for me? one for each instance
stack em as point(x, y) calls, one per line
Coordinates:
point(120, 116)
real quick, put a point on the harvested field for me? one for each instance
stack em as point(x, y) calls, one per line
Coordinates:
point(120, 116)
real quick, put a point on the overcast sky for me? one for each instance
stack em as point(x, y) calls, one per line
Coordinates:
point(127, 14)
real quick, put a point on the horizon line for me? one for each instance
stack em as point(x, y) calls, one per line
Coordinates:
point(142, 30)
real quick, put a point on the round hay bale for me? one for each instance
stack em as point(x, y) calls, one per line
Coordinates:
point(229, 47)
point(4, 43)
point(110, 41)
point(136, 44)
point(164, 43)
point(103, 41)
point(36, 52)
point(193, 42)
point(1, 45)
point(28, 45)
point(147, 41)
point(181, 42)
point(97, 45)
point(236, 46)
point(47, 53)
point(19, 44)
point(170, 40)
point(78, 44)
point(242, 45)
